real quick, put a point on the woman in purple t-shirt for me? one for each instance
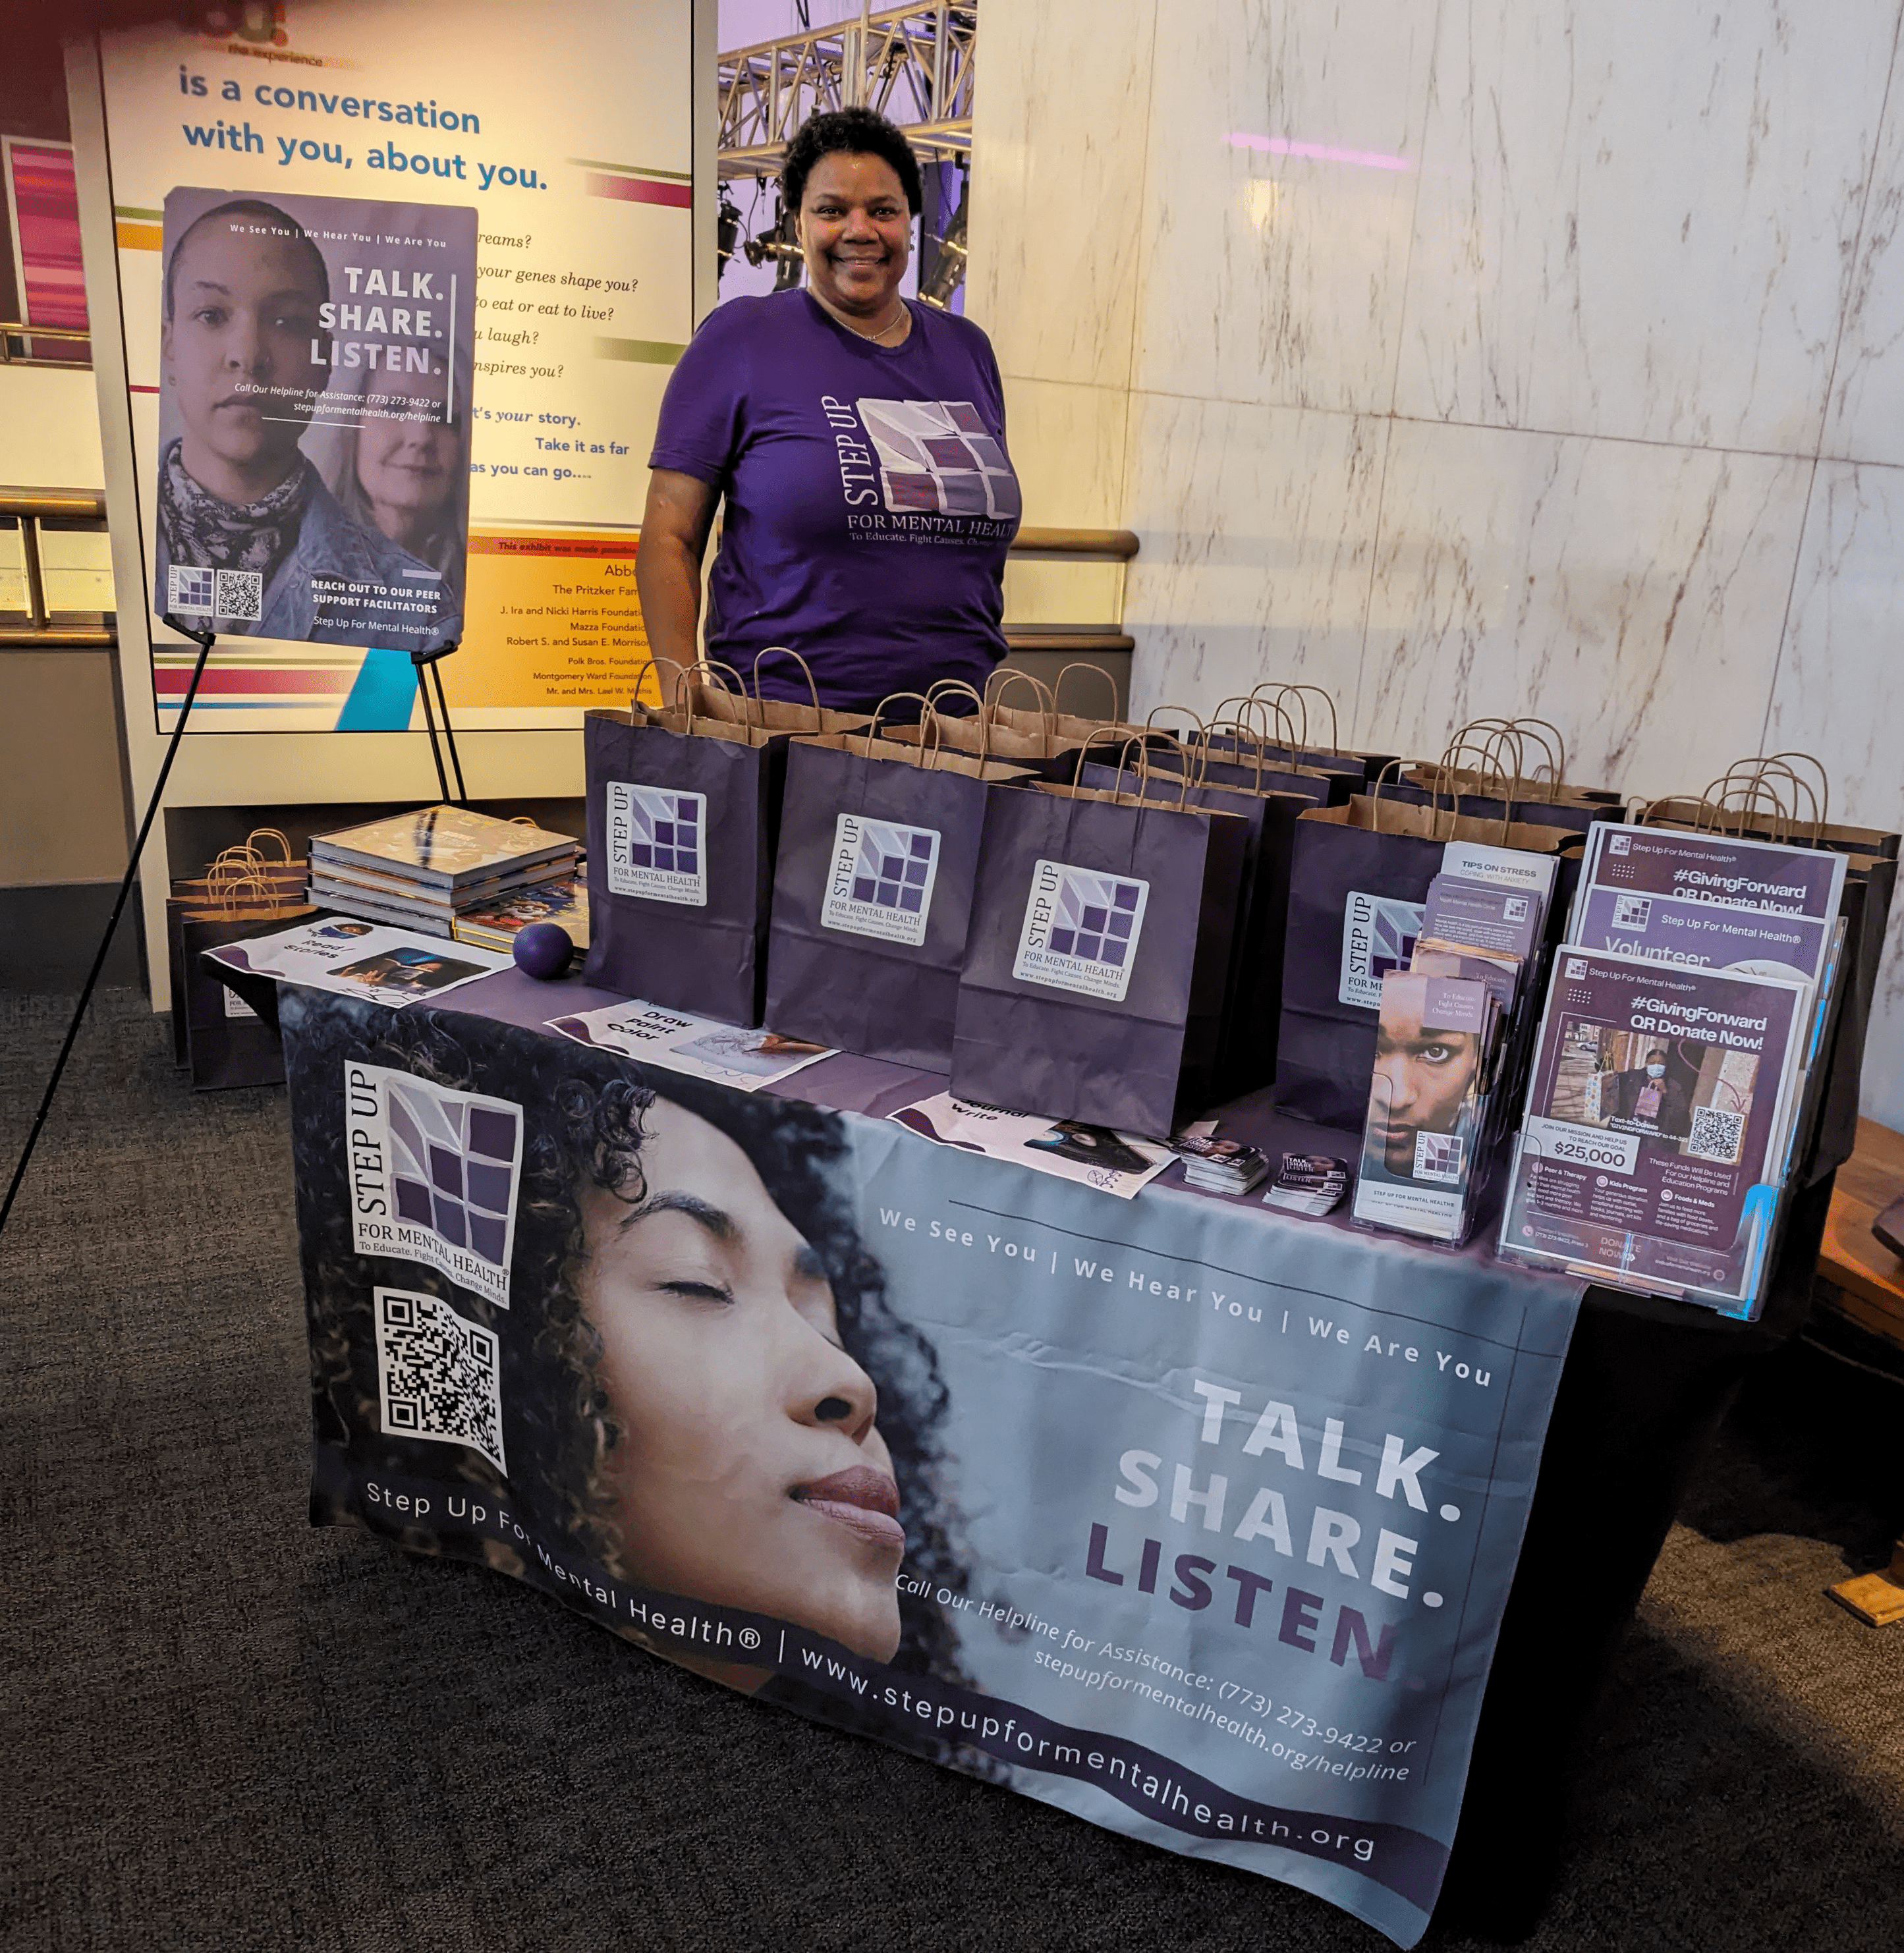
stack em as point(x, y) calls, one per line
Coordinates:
point(859, 439)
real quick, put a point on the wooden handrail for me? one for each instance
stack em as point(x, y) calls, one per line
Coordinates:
point(1076, 545)
point(87, 503)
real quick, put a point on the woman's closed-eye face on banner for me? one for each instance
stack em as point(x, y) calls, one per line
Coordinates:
point(243, 315)
point(748, 1471)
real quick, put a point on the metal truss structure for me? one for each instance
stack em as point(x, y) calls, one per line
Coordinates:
point(913, 63)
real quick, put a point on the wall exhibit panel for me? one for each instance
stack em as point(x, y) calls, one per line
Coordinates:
point(1282, 181)
point(1640, 221)
point(1632, 594)
point(1257, 527)
point(1058, 186)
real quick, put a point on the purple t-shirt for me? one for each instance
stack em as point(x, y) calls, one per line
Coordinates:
point(869, 501)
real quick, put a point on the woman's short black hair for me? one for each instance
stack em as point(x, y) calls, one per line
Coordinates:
point(853, 132)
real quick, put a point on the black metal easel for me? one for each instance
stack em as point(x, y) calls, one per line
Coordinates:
point(205, 640)
point(430, 662)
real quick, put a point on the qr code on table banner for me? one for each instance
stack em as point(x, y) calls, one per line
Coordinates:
point(1716, 1135)
point(1438, 1157)
point(436, 1374)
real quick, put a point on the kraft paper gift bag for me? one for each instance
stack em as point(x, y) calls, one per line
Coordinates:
point(681, 817)
point(878, 855)
point(1358, 881)
point(255, 889)
point(1098, 957)
point(713, 697)
point(982, 732)
point(1246, 1052)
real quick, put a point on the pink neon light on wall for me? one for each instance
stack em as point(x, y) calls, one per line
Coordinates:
point(1319, 153)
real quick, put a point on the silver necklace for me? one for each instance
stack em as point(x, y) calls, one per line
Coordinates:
point(898, 318)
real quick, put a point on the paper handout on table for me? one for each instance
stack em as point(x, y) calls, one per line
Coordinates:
point(699, 1047)
point(1117, 1163)
point(361, 959)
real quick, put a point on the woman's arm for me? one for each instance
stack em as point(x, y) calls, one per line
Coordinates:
point(667, 566)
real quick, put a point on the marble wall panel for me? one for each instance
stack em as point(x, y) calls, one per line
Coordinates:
point(1281, 177)
point(1257, 526)
point(1060, 106)
point(1639, 220)
point(1839, 691)
point(1631, 594)
point(1865, 418)
point(1067, 443)
point(1839, 694)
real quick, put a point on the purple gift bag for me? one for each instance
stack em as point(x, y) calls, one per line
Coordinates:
point(1358, 881)
point(878, 855)
point(681, 818)
point(1096, 965)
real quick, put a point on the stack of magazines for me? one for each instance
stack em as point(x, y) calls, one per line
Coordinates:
point(425, 871)
point(1678, 1062)
point(495, 924)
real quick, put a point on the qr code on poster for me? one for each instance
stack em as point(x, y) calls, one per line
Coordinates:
point(436, 1374)
point(1438, 1157)
point(1716, 1135)
point(241, 594)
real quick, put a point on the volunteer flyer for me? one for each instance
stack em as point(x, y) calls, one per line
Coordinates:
point(361, 959)
point(1656, 1120)
point(1202, 1543)
point(1715, 868)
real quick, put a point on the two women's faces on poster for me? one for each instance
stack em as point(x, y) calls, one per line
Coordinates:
point(315, 369)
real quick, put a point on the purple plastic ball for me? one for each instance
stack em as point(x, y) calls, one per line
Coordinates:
point(543, 950)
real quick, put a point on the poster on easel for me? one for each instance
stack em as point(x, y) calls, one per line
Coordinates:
point(454, 243)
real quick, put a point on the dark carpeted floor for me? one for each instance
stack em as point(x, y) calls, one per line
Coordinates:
point(225, 1729)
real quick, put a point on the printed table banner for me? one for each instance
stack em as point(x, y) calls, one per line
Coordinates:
point(1190, 1518)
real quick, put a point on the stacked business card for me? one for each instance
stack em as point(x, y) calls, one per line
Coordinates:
point(1311, 1184)
point(1220, 1166)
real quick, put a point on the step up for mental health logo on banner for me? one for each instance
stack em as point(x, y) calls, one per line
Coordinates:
point(434, 1175)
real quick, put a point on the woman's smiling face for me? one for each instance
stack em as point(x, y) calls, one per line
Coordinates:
point(748, 1473)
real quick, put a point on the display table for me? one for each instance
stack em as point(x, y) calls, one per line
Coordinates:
point(1211, 1513)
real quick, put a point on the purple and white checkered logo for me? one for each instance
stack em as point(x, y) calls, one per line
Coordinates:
point(936, 458)
point(1082, 929)
point(879, 881)
point(658, 843)
point(434, 1175)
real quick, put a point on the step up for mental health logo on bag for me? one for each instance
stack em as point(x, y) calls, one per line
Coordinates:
point(658, 843)
point(436, 1374)
point(1378, 934)
point(433, 1176)
point(878, 881)
point(1080, 930)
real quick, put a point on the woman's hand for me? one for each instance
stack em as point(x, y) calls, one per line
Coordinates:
point(667, 566)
